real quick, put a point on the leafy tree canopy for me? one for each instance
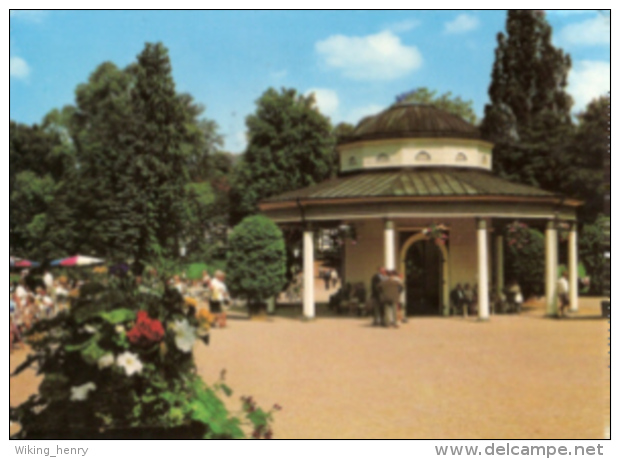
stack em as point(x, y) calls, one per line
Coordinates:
point(290, 147)
point(446, 101)
point(121, 159)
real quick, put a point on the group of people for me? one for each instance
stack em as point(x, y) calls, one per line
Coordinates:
point(208, 291)
point(387, 298)
point(30, 302)
point(330, 277)
point(464, 298)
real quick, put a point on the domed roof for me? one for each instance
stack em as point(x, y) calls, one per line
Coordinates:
point(412, 121)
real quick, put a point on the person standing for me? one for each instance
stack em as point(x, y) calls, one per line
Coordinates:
point(334, 276)
point(206, 279)
point(375, 296)
point(327, 278)
point(390, 289)
point(219, 297)
point(563, 290)
point(48, 280)
point(468, 301)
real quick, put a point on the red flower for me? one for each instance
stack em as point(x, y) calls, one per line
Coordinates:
point(146, 331)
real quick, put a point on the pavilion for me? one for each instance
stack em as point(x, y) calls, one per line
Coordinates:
point(409, 167)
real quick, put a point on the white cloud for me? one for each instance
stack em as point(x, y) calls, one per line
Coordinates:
point(593, 31)
point(326, 100)
point(463, 23)
point(29, 15)
point(381, 56)
point(403, 26)
point(356, 114)
point(588, 80)
point(18, 68)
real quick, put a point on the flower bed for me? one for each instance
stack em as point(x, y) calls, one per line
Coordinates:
point(120, 363)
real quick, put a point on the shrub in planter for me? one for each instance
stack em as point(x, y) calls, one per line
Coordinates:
point(256, 266)
point(120, 364)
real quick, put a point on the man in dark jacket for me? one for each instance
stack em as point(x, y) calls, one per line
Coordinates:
point(375, 296)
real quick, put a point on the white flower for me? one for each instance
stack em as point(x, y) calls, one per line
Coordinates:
point(185, 335)
point(130, 362)
point(105, 361)
point(90, 329)
point(120, 329)
point(80, 393)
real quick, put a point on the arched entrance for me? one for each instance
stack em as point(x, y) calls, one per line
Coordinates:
point(425, 267)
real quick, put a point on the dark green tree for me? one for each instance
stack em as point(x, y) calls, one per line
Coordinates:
point(447, 102)
point(99, 125)
point(526, 265)
point(290, 147)
point(592, 247)
point(583, 174)
point(134, 137)
point(37, 164)
point(256, 265)
point(529, 115)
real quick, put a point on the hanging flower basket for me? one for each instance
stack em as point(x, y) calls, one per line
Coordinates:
point(437, 233)
point(517, 235)
point(347, 232)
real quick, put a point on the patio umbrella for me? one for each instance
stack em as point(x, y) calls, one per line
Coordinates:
point(23, 264)
point(77, 260)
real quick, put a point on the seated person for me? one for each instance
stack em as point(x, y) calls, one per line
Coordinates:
point(457, 297)
point(468, 301)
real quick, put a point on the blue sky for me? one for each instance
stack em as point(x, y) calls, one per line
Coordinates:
point(355, 62)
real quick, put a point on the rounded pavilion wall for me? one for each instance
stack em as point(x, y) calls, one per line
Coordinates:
point(378, 154)
point(362, 259)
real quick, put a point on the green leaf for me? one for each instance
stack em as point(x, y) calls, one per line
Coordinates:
point(92, 353)
point(118, 316)
point(259, 417)
point(81, 346)
point(227, 390)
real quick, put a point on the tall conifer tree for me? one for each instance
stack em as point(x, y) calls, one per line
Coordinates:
point(529, 114)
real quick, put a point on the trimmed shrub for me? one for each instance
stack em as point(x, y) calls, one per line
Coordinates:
point(256, 267)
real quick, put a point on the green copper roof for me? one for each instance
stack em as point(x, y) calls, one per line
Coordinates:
point(414, 182)
point(412, 121)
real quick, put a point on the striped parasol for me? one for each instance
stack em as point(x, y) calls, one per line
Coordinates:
point(77, 260)
point(18, 263)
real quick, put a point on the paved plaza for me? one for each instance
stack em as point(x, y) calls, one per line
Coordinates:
point(515, 377)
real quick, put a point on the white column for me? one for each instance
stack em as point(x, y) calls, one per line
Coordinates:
point(309, 308)
point(572, 268)
point(483, 271)
point(390, 249)
point(551, 267)
point(499, 264)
